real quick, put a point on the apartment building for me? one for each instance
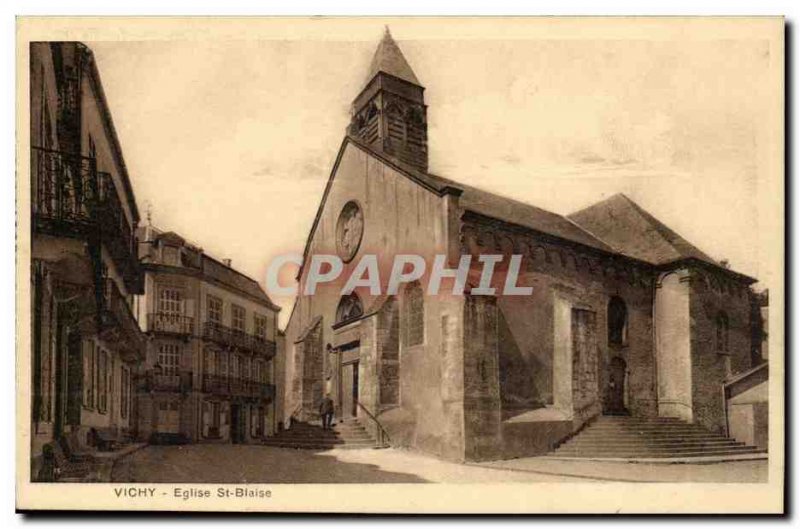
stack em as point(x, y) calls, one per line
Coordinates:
point(209, 372)
point(84, 273)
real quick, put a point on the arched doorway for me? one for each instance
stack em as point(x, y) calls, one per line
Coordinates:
point(349, 310)
point(615, 390)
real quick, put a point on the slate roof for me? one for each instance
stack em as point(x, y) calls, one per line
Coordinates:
point(634, 232)
point(496, 206)
point(216, 270)
point(389, 59)
point(522, 214)
point(233, 278)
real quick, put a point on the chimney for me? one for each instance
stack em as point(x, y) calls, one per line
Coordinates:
point(226, 262)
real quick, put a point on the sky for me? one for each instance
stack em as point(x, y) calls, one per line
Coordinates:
point(230, 142)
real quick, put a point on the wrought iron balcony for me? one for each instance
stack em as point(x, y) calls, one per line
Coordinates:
point(237, 387)
point(216, 384)
point(174, 383)
point(262, 346)
point(167, 382)
point(71, 198)
point(65, 189)
point(117, 322)
point(230, 337)
point(170, 323)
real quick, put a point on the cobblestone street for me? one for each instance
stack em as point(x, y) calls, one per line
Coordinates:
point(260, 464)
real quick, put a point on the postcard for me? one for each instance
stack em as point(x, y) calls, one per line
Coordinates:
point(401, 265)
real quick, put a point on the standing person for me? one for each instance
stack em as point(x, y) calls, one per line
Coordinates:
point(326, 412)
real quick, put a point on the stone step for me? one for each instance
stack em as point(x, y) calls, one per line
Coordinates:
point(677, 451)
point(364, 439)
point(319, 441)
point(654, 455)
point(628, 418)
point(647, 428)
point(326, 432)
point(628, 437)
point(314, 445)
point(653, 438)
point(653, 431)
point(675, 444)
point(346, 429)
point(312, 436)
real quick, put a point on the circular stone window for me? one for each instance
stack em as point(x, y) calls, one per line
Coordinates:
point(349, 230)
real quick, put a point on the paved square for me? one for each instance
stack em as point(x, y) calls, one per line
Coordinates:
point(260, 464)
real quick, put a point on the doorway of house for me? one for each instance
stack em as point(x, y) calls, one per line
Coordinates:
point(349, 390)
point(615, 392)
point(169, 415)
point(237, 426)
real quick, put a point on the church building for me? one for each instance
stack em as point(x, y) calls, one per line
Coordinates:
point(625, 318)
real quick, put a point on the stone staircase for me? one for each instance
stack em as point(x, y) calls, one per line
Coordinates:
point(346, 434)
point(618, 437)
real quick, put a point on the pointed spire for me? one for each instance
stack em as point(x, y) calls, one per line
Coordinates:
point(389, 59)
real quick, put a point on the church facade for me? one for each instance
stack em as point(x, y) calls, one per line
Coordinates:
point(625, 317)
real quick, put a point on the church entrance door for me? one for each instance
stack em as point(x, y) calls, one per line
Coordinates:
point(615, 392)
point(349, 390)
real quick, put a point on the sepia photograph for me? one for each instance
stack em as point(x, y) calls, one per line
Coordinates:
point(533, 257)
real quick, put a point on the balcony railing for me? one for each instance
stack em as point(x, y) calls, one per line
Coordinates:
point(117, 320)
point(71, 198)
point(176, 382)
point(167, 382)
point(230, 337)
point(170, 323)
point(237, 387)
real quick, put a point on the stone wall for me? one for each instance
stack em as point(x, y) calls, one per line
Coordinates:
point(312, 389)
point(539, 390)
point(482, 413)
point(368, 379)
point(585, 361)
point(712, 294)
point(586, 280)
point(388, 348)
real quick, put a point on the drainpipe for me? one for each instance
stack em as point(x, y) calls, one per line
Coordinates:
point(654, 349)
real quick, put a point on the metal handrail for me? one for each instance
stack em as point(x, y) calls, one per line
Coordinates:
point(383, 436)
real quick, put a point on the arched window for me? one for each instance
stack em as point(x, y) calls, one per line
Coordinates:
point(350, 308)
point(617, 321)
point(722, 333)
point(414, 314)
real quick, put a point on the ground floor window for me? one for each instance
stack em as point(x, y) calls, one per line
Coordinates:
point(102, 381)
point(125, 392)
point(215, 413)
point(213, 419)
point(88, 373)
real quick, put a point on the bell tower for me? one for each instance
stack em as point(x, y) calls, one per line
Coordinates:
point(389, 114)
